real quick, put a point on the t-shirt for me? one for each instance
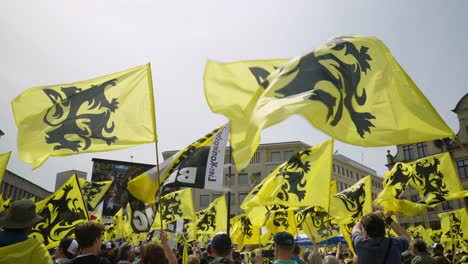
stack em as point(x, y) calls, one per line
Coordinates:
point(423, 258)
point(373, 250)
point(284, 262)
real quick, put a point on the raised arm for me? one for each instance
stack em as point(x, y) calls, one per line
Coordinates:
point(171, 258)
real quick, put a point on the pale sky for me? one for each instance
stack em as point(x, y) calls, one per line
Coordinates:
point(52, 42)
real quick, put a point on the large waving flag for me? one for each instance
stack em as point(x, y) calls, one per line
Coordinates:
point(94, 191)
point(351, 88)
point(174, 206)
point(102, 114)
point(434, 177)
point(61, 212)
point(304, 180)
point(4, 158)
point(213, 219)
point(199, 165)
point(282, 221)
point(141, 214)
point(454, 226)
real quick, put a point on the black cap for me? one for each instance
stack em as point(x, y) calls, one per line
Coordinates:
point(284, 239)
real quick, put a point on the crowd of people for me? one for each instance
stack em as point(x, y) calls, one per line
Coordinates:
point(87, 247)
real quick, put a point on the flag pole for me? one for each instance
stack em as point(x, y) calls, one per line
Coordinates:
point(229, 193)
point(150, 82)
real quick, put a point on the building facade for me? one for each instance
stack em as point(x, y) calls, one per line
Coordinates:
point(269, 156)
point(17, 188)
point(459, 154)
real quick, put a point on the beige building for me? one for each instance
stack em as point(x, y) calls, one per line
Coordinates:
point(15, 187)
point(63, 177)
point(411, 152)
point(267, 157)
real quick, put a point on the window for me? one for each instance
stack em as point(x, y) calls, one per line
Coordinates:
point(419, 224)
point(204, 200)
point(347, 173)
point(434, 225)
point(256, 158)
point(233, 199)
point(334, 168)
point(422, 149)
point(447, 205)
point(408, 151)
point(288, 155)
point(340, 187)
point(275, 157)
point(243, 179)
point(414, 198)
point(462, 168)
point(351, 174)
point(242, 197)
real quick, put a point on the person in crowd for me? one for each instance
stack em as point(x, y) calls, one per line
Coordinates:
point(66, 251)
point(330, 259)
point(406, 257)
point(207, 256)
point(305, 256)
point(109, 251)
point(15, 246)
point(153, 253)
point(221, 249)
point(89, 238)
point(370, 243)
point(315, 257)
point(193, 259)
point(438, 254)
point(284, 248)
point(421, 256)
point(296, 253)
point(126, 254)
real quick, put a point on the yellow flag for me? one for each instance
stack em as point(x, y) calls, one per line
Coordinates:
point(4, 206)
point(102, 114)
point(174, 206)
point(316, 222)
point(189, 164)
point(435, 234)
point(214, 218)
point(118, 225)
point(282, 221)
point(61, 212)
point(3, 164)
point(351, 88)
point(352, 203)
point(434, 177)
point(304, 180)
point(94, 191)
point(243, 232)
point(454, 226)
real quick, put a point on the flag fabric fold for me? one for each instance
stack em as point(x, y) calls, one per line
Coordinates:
point(351, 88)
point(4, 158)
point(212, 219)
point(174, 206)
point(102, 114)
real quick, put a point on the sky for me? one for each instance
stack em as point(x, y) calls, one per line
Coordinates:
point(52, 42)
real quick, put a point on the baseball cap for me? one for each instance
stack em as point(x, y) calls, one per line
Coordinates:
point(284, 239)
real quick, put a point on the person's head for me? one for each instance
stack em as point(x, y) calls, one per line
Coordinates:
point(373, 225)
point(153, 253)
point(315, 258)
point(438, 249)
point(88, 235)
point(126, 252)
point(20, 216)
point(221, 245)
point(67, 248)
point(192, 259)
point(330, 260)
point(284, 245)
point(305, 256)
point(419, 246)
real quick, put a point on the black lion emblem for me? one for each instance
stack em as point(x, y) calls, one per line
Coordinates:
point(247, 228)
point(208, 220)
point(60, 214)
point(293, 172)
point(171, 210)
point(344, 76)
point(85, 114)
point(354, 199)
point(430, 179)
